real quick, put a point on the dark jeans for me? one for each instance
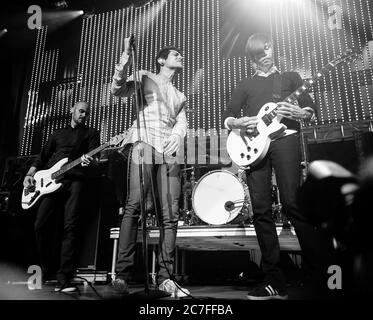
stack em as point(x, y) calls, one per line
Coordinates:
point(285, 157)
point(166, 179)
point(47, 223)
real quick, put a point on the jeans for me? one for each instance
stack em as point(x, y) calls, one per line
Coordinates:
point(47, 225)
point(166, 182)
point(285, 157)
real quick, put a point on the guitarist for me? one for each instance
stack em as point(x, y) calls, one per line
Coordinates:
point(283, 154)
point(73, 141)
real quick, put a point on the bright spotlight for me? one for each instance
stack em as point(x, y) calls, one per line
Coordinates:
point(81, 12)
point(3, 32)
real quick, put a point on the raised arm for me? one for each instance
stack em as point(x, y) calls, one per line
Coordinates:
point(119, 85)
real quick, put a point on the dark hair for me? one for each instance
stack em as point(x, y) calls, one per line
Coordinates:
point(256, 45)
point(163, 53)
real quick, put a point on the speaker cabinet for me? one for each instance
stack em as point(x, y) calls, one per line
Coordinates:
point(347, 153)
point(341, 152)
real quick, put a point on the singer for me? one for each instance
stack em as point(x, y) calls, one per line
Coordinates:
point(163, 127)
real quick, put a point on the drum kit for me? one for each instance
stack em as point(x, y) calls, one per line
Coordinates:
point(220, 197)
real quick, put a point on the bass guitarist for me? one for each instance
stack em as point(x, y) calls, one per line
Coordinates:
point(269, 85)
point(73, 141)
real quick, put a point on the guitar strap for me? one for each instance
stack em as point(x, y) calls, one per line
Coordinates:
point(276, 93)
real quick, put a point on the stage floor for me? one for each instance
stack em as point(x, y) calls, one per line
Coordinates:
point(105, 292)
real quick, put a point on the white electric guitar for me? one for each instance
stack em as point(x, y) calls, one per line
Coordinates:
point(45, 180)
point(248, 150)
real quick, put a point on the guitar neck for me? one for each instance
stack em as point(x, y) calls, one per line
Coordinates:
point(76, 162)
point(307, 84)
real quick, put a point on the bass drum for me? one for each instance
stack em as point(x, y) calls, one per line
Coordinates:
point(218, 197)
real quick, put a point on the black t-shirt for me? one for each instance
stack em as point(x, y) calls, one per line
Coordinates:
point(252, 93)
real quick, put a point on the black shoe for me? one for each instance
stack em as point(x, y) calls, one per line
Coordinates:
point(267, 292)
point(120, 286)
point(66, 287)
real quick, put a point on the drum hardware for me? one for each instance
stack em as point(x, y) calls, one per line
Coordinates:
point(151, 220)
point(247, 210)
point(186, 215)
point(276, 205)
point(230, 205)
point(277, 212)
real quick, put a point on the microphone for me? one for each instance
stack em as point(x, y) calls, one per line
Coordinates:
point(229, 206)
point(132, 42)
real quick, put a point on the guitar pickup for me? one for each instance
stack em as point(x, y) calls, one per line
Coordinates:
point(267, 120)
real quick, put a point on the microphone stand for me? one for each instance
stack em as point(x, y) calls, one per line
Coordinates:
point(147, 293)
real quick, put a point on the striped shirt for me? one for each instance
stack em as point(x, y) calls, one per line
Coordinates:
point(163, 114)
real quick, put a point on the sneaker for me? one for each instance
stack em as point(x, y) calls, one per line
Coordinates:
point(120, 286)
point(174, 289)
point(65, 287)
point(267, 292)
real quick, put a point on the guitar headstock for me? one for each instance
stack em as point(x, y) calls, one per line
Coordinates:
point(347, 56)
point(118, 138)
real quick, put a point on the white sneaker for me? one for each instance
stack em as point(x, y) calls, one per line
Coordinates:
point(174, 289)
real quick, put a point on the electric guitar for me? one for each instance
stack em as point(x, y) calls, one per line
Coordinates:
point(248, 150)
point(46, 180)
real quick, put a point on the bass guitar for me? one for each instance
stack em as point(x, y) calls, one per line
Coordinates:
point(46, 180)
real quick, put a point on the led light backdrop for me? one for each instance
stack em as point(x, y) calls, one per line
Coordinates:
point(212, 35)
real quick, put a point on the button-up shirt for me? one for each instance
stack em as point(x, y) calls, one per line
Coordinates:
point(162, 115)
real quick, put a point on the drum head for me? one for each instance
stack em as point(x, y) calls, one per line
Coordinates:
point(218, 197)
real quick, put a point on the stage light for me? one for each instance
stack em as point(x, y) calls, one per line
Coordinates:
point(61, 4)
point(55, 19)
point(3, 32)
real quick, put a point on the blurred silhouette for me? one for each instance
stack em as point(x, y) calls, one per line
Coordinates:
point(340, 203)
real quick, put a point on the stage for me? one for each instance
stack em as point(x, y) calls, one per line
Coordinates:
point(212, 238)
